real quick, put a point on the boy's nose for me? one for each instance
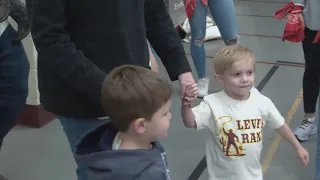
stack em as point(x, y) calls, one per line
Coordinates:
point(244, 78)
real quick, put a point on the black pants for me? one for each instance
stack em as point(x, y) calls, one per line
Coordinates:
point(14, 72)
point(311, 77)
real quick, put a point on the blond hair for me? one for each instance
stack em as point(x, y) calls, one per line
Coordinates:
point(226, 56)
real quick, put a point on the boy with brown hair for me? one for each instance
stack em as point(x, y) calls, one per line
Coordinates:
point(137, 101)
point(235, 118)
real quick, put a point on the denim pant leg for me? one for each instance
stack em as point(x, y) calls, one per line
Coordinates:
point(75, 129)
point(198, 32)
point(224, 15)
point(14, 72)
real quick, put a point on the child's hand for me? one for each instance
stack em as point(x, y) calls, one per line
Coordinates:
point(303, 155)
point(190, 94)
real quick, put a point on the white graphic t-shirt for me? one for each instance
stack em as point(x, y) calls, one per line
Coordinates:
point(235, 133)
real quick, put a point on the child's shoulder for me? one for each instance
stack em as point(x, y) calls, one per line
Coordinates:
point(214, 96)
point(221, 97)
point(260, 98)
point(257, 94)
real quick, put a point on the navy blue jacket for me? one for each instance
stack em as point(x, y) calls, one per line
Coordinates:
point(95, 150)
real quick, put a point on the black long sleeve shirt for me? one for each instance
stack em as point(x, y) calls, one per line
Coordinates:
point(80, 41)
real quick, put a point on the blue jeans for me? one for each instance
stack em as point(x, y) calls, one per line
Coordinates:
point(224, 14)
point(75, 129)
point(14, 73)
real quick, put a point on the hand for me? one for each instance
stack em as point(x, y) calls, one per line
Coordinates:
point(303, 156)
point(184, 80)
point(190, 94)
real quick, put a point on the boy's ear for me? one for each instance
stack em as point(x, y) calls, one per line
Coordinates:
point(139, 125)
point(218, 78)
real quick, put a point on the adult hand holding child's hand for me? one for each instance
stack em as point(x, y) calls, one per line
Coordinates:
point(191, 93)
point(184, 80)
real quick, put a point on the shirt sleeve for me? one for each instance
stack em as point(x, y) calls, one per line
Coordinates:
point(57, 53)
point(274, 119)
point(203, 115)
point(164, 38)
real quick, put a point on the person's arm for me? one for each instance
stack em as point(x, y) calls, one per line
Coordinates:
point(285, 132)
point(277, 122)
point(164, 39)
point(188, 116)
point(57, 53)
point(198, 117)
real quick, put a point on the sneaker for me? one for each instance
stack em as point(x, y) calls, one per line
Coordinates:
point(305, 130)
point(203, 87)
point(2, 178)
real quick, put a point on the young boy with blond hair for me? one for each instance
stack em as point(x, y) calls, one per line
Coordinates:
point(235, 118)
point(137, 101)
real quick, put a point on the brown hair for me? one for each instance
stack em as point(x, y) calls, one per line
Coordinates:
point(130, 92)
point(226, 56)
